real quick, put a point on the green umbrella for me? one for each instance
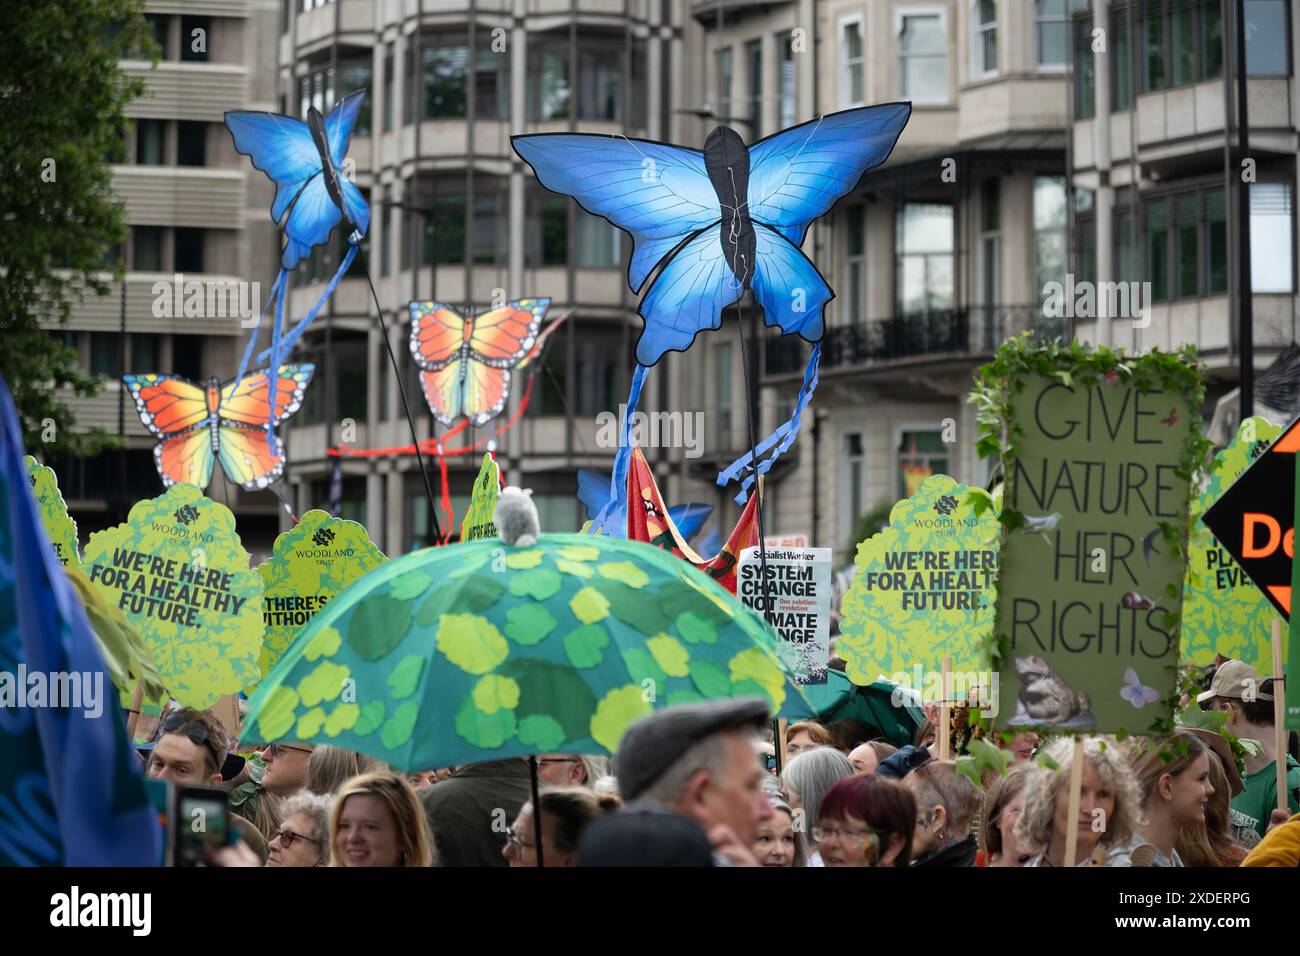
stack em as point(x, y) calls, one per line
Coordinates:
point(873, 704)
point(481, 651)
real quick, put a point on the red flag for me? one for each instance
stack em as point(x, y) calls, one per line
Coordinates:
point(650, 522)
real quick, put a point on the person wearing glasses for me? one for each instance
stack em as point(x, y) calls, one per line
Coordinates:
point(946, 802)
point(866, 821)
point(566, 812)
point(571, 770)
point(303, 837)
point(286, 768)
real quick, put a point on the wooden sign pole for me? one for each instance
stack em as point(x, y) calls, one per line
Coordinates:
point(133, 717)
point(779, 743)
point(1076, 797)
point(1279, 716)
point(943, 731)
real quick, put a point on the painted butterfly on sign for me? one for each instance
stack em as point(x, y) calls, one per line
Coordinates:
point(198, 425)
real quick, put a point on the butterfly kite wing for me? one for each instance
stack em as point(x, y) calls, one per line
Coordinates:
point(501, 337)
point(788, 286)
point(185, 458)
point(484, 391)
point(437, 334)
point(443, 391)
point(796, 175)
point(657, 193)
point(246, 457)
point(686, 297)
point(593, 491)
point(338, 133)
point(167, 404)
point(279, 146)
point(249, 404)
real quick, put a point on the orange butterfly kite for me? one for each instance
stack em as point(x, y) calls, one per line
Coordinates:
point(465, 360)
point(198, 425)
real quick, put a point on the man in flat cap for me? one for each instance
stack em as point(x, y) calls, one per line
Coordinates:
point(701, 761)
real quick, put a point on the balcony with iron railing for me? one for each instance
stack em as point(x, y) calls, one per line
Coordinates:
point(970, 332)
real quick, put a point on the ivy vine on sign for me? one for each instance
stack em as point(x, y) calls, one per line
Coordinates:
point(1099, 450)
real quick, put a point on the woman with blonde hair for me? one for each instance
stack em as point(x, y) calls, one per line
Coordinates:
point(1211, 843)
point(1108, 805)
point(1173, 774)
point(378, 821)
point(1004, 801)
point(328, 768)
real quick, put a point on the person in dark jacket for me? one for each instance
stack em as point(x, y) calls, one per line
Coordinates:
point(470, 812)
point(946, 803)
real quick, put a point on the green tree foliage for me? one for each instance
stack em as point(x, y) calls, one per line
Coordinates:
point(62, 94)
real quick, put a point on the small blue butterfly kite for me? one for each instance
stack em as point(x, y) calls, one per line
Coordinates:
point(312, 196)
point(707, 225)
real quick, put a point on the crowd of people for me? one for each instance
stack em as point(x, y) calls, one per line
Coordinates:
point(692, 786)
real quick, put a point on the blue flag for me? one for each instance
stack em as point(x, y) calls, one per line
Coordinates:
point(71, 793)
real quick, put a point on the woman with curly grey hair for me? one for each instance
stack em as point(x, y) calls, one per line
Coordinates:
point(1108, 805)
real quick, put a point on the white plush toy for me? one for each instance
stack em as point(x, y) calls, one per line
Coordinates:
point(516, 517)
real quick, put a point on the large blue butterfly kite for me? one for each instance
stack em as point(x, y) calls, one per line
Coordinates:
point(709, 224)
point(312, 196)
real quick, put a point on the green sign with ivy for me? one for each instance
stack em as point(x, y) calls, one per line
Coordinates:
point(1098, 450)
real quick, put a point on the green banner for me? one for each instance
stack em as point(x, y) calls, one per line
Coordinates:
point(483, 502)
point(1098, 450)
point(309, 566)
point(923, 591)
point(179, 574)
point(1223, 610)
point(59, 525)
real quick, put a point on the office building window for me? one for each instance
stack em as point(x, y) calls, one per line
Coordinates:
point(1268, 38)
point(354, 76)
point(990, 241)
point(1050, 32)
point(923, 57)
point(598, 362)
point(158, 27)
point(196, 35)
point(789, 101)
point(187, 357)
point(1272, 226)
point(187, 249)
point(984, 47)
point(191, 143)
point(600, 77)
point(1085, 86)
point(389, 84)
point(1181, 40)
point(1156, 214)
point(853, 491)
point(1211, 39)
point(723, 76)
point(920, 455)
point(444, 71)
point(146, 248)
point(1121, 61)
point(1216, 243)
point(596, 242)
point(924, 258)
point(1187, 231)
point(1050, 220)
point(855, 265)
point(146, 352)
point(106, 354)
point(490, 243)
point(852, 63)
point(1085, 235)
point(722, 398)
point(548, 75)
point(491, 79)
point(1125, 241)
point(149, 142)
point(754, 67)
point(546, 231)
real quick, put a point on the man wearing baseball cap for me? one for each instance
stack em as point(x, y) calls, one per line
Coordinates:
point(701, 761)
point(1248, 701)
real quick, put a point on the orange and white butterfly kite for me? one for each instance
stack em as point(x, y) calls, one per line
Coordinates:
point(196, 425)
point(465, 360)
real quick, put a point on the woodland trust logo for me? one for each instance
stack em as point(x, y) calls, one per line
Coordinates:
point(322, 537)
point(187, 514)
point(946, 505)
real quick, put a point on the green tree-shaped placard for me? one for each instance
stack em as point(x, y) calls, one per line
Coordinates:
point(482, 503)
point(924, 588)
point(179, 574)
point(309, 566)
point(60, 527)
point(1223, 611)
